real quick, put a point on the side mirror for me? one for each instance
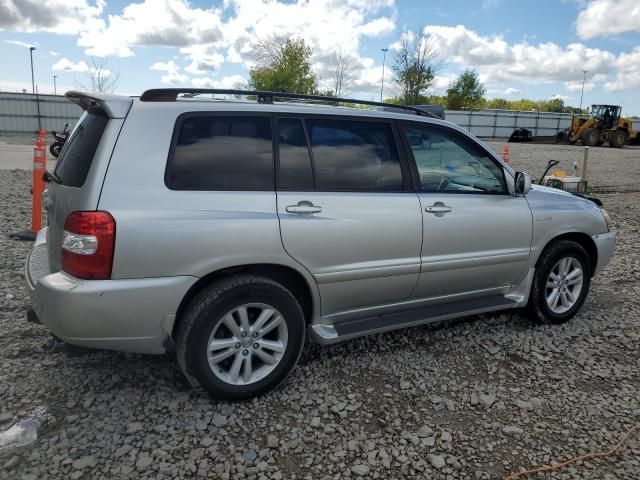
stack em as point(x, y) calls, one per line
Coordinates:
point(522, 183)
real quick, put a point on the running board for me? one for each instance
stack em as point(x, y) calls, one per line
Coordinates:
point(326, 334)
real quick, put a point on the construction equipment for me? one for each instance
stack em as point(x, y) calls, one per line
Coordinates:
point(604, 124)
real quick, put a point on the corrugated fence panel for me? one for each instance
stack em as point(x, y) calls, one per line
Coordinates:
point(19, 114)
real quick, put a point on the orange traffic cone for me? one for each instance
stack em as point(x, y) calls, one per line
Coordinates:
point(505, 154)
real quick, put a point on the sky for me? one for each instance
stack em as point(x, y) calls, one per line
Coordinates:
point(520, 48)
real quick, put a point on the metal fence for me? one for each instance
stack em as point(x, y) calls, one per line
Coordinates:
point(26, 113)
point(502, 123)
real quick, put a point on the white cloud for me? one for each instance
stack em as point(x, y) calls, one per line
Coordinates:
point(172, 23)
point(608, 17)
point(209, 37)
point(21, 44)
point(557, 96)
point(54, 54)
point(503, 92)
point(231, 81)
point(628, 72)
point(69, 66)
point(58, 16)
point(498, 61)
point(172, 75)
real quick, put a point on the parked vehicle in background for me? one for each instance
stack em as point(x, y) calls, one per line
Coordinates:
point(60, 139)
point(603, 125)
point(232, 231)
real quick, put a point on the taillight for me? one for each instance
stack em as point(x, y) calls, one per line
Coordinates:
point(87, 247)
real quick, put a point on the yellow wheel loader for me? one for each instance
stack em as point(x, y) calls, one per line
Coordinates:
point(603, 125)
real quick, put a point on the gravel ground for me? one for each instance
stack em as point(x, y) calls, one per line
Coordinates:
point(475, 398)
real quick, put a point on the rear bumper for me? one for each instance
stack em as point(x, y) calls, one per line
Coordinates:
point(606, 245)
point(133, 315)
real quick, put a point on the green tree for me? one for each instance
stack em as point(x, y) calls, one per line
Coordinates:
point(498, 103)
point(466, 91)
point(284, 65)
point(416, 64)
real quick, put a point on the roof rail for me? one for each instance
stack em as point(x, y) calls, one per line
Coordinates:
point(171, 95)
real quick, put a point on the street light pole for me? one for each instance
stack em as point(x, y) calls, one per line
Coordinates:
point(55, 90)
point(584, 77)
point(33, 83)
point(384, 57)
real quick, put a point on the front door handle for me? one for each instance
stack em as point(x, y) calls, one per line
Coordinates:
point(438, 208)
point(303, 208)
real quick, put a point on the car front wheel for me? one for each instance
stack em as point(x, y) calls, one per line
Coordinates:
point(561, 282)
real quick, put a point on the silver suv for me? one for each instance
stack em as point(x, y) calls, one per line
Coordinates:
point(231, 231)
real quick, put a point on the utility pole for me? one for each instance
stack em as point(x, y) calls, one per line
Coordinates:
point(55, 90)
point(384, 57)
point(584, 77)
point(33, 83)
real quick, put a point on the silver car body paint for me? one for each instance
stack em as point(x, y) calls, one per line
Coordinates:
point(367, 258)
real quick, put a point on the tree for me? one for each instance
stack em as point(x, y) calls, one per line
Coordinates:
point(553, 105)
point(100, 77)
point(466, 91)
point(416, 63)
point(341, 73)
point(283, 65)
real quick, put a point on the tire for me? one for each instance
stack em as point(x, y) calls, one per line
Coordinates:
point(55, 149)
point(617, 139)
point(599, 143)
point(206, 318)
point(549, 261)
point(590, 137)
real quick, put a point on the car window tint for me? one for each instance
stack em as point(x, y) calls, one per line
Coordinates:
point(352, 155)
point(77, 154)
point(222, 153)
point(294, 162)
point(447, 163)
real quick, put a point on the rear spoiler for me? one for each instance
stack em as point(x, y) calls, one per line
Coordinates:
point(115, 106)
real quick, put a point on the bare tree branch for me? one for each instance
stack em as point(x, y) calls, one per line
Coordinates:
point(100, 78)
point(268, 50)
point(341, 72)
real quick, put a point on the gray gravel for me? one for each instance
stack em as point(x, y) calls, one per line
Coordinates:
point(476, 398)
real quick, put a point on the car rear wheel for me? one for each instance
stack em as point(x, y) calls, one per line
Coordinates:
point(240, 337)
point(561, 282)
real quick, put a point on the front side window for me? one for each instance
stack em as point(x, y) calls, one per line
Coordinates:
point(447, 163)
point(354, 156)
point(222, 153)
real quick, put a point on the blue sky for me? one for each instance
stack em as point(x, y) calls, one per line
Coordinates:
point(530, 49)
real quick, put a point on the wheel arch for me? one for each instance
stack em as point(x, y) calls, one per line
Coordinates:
point(289, 277)
point(582, 239)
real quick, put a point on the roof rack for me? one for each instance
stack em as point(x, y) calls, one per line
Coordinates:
point(171, 95)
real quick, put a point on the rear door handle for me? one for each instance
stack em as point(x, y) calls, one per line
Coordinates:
point(303, 208)
point(438, 207)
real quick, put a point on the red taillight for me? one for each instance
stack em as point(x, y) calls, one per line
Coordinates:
point(88, 243)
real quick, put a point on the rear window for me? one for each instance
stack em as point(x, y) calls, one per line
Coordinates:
point(77, 155)
point(222, 153)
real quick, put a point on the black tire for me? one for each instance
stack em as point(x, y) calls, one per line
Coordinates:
point(599, 143)
point(538, 307)
point(617, 139)
point(590, 137)
point(207, 309)
point(55, 149)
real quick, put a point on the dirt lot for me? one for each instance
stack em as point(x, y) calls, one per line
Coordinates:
point(475, 398)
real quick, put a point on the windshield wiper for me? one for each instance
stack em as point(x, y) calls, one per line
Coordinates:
point(51, 176)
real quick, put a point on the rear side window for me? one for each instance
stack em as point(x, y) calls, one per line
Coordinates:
point(215, 152)
point(352, 155)
point(77, 155)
